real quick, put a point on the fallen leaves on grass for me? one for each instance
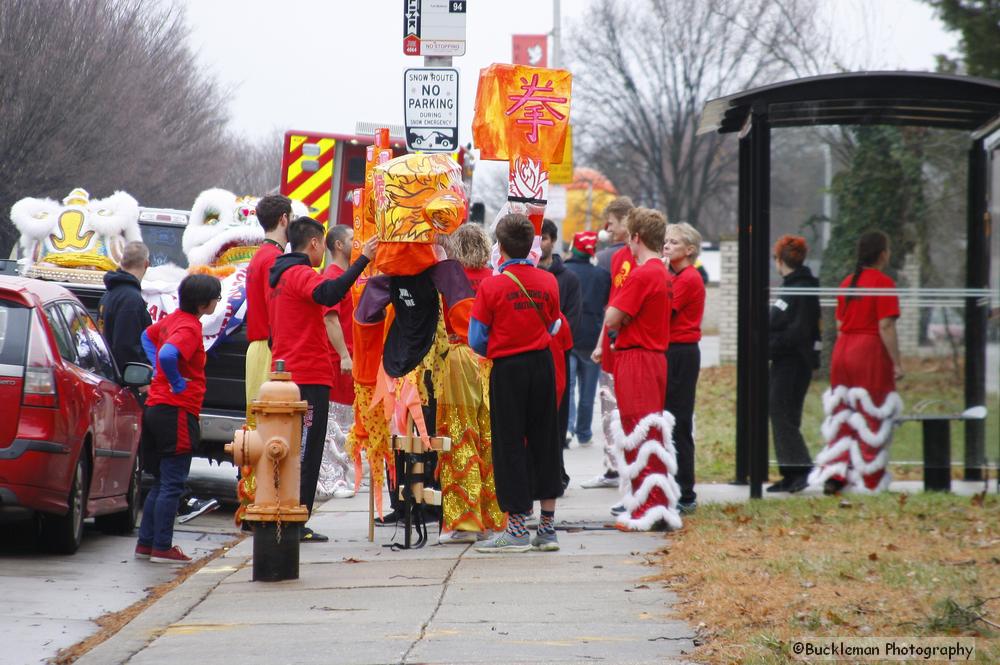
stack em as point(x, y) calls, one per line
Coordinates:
point(757, 575)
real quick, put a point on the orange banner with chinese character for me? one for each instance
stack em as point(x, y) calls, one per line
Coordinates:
point(522, 112)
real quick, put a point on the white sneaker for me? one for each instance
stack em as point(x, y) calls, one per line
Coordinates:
point(458, 537)
point(599, 481)
point(343, 492)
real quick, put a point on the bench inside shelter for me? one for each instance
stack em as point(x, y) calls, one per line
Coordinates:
point(937, 444)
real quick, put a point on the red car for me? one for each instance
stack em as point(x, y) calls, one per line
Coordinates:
point(70, 423)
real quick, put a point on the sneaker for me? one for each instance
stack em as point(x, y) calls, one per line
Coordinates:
point(780, 486)
point(310, 536)
point(617, 509)
point(343, 492)
point(600, 481)
point(585, 444)
point(687, 507)
point(797, 484)
point(173, 555)
point(458, 537)
point(833, 486)
point(545, 542)
point(390, 518)
point(143, 551)
point(504, 542)
point(195, 507)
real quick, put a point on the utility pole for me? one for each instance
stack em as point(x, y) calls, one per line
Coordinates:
point(556, 60)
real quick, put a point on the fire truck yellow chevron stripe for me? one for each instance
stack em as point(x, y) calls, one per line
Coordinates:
point(320, 180)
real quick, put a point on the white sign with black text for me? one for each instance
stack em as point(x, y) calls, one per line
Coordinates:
point(431, 98)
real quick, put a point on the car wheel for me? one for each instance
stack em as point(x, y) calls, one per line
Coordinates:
point(64, 533)
point(124, 522)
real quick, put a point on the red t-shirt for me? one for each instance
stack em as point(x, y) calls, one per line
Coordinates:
point(257, 290)
point(622, 263)
point(342, 390)
point(298, 333)
point(645, 297)
point(862, 314)
point(561, 342)
point(476, 276)
point(183, 330)
point(688, 305)
point(514, 323)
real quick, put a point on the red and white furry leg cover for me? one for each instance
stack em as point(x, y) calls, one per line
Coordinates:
point(834, 460)
point(647, 466)
point(873, 425)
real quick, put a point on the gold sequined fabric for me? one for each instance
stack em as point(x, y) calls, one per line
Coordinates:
point(469, 500)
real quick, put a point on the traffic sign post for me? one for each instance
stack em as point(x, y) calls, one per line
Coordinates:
point(431, 105)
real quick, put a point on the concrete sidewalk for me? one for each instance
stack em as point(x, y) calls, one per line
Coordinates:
point(360, 602)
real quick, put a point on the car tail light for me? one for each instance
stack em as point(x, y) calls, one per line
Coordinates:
point(39, 374)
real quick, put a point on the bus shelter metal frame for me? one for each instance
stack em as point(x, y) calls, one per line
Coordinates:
point(859, 98)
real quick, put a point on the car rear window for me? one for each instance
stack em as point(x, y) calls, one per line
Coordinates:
point(164, 242)
point(14, 319)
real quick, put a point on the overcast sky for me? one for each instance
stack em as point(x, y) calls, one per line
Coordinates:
point(323, 65)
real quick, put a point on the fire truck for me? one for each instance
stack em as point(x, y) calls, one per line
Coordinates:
point(322, 170)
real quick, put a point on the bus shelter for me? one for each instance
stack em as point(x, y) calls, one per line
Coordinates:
point(967, 104)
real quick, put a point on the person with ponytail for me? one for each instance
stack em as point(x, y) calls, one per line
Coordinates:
point(862, 402)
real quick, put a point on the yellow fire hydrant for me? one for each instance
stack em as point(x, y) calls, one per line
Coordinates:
point(273, 450)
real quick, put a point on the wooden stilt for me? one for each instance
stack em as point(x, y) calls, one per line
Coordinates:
point(371, 504)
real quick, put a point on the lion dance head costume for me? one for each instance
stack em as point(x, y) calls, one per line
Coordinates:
point(399, 331)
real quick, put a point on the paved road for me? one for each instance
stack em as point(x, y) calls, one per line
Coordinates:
point(51, 601)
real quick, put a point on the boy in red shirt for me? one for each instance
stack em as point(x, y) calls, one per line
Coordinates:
point(298, 301)
point(274, 213)
point(637, 317)
point(335, 472)
point(513, 318)
point(170, 427)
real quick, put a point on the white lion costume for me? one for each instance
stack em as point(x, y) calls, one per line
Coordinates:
point(221, 237)
point(77, 240)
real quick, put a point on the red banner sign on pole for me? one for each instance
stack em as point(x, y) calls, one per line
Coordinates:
point(531, 50)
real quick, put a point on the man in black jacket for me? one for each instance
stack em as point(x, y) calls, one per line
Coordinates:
point(122, 313)
point(122, 317)
point(793, 341)
point(570, 303)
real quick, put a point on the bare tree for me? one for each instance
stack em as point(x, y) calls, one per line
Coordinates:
point(254, 167)
point(643, 72)
point(105, 95)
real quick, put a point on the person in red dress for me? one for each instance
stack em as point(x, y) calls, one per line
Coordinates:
point(680, 250)
point(862, 401)
point(637, 318)
point(335, 474)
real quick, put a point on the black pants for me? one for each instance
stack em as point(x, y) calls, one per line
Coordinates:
point(313, 440)
point(683, 366)
point(527, 461)
point(787, 387)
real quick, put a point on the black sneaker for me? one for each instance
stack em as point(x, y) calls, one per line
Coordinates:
point(780, 486)
point(833, 486)
point(195, 507)
point(310, 536)
point(797, 484)
point(687, 507)
point(617, 509)
point(389, 519)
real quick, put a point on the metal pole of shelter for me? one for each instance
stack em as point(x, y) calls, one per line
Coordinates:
point(754, 320)
point(976, 314)
point(743, 307)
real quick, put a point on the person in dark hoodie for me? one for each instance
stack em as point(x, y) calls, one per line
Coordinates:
point(570, 304)
point(299, 299)
point(595, 285)
point(793, 340)
point(122, 313)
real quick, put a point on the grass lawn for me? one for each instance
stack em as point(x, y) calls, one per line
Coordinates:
point(754, 576)
point(930, 386)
